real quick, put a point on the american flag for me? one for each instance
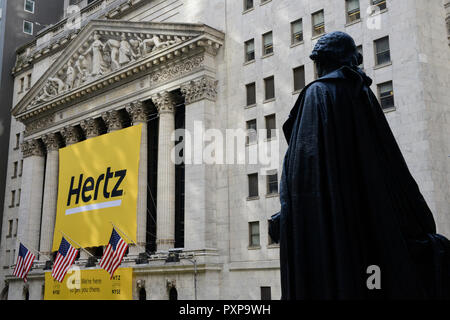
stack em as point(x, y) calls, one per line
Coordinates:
point(64, 260)
point(24, 262)
point(114, 253)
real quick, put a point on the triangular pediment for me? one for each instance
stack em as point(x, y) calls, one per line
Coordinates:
point(103, 49)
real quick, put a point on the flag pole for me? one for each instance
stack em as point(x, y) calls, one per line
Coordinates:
point(38, 252)
point(76, 243)
point(131, 240)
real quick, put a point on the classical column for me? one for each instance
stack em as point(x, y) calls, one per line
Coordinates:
point(200, 191)
point(31, 196)
point(113, 120)
point(90, 127)
point(71, 135)
point(138, 112)
point(52, 142)
point(165, 227)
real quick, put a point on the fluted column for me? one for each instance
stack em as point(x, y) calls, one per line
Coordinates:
point(165, 228)
point(31, 195)
point(113, 120)
point(139, 115)
point(52, 142)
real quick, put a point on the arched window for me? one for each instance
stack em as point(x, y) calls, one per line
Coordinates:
point(173, 294)
point(142, 294)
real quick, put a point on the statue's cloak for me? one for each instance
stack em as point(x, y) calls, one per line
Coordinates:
point(348, 201)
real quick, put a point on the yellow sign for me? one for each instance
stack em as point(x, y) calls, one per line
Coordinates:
point(90, 285)
point(98, 184)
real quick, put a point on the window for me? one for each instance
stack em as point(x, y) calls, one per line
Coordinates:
point(253, 234)
point(250, 50)
point(269, 88)
point(271, 242)
point(271, 126)
point(253, 185)
point(268, 43)
point(353, 10)
point(28, 81)
point(29, 6)
point(18, 197)
point(248, 4)
point(8, 258)
point(382, 51)
point(360, 50)
point(17, 141)
point(251, 132)
point(13, 198)
point(299, 78)
point(380, 4)
point(15, 167)
point(272, 183)
point(265, 293)
point(10, 228)
point(297, 31)
point(21, 85)
point(386, 94)
point(21, 168)
point(251, 93)
point(318, 23)
point(28, 27)
point(17, 226)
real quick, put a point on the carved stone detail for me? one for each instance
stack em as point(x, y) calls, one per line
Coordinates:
point(164, 102)
point(138, 112)
point(177, 70)
point(52, 141)
point(39, 124)
point(196, 90)
point(71, 135)
point(32, 148)
point(90, 127)
point(113, 120)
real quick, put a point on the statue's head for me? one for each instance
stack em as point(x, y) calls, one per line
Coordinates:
point(333, 51)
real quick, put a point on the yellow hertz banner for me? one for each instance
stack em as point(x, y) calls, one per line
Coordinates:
point(90, 285)
point(98, 184)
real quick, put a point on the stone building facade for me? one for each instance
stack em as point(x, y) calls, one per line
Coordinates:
point(170, 64)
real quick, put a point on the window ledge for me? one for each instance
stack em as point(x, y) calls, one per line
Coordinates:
point(318, 36)
point(267, 55)
point(274, 138)
point(348, 24)
point(389, 110)
point(250, 106)
point(248, 10)
point(264, 2)
point(380, 12)
point(269, 100)
point(246, 63)
point(251, 144)
point(297, 91)
point(254, 248)
point(380, 66)
point(297, 44)
point(273, 246)
point(272, 195)
point(252, 198)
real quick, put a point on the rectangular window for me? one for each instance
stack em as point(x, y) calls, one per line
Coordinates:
point(10, 228)
point(251, 132)
point(269, 88)
point(318, 23)
point(386, 94)
point(253, 185)
point(28, 81)
point(29, 6)
point(15, 168)
point(353, 10)
point(17, 226)
point(27, 27)
point(8, 258)
point(271, 242)
point(21, 168)
point(13, 198)
point(18, 197)
point(248, 4)
point(266, 293)
point(22, 85)
point(251, 93)
point(272, 183)
point(253, 234)
point(17, 141)
point(271, 126)
point(299, 78)
point(268, 43)
point(360, 50)
point(250, 50)
point(297, 31)
point(382, 51)
point(380, 4)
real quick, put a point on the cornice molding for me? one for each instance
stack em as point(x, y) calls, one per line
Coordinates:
point(203, 88)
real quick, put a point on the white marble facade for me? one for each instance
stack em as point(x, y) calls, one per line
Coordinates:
point(128, 52)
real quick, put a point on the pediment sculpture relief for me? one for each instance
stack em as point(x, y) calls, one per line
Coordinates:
point(105, 52)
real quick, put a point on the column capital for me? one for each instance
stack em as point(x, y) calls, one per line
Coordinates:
point(138, 112)
point(199, 89)
point(90, 127)
point(113, 120)
point(32, 148)
point(51, 141)
point(71, 134)
point(164, 102)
